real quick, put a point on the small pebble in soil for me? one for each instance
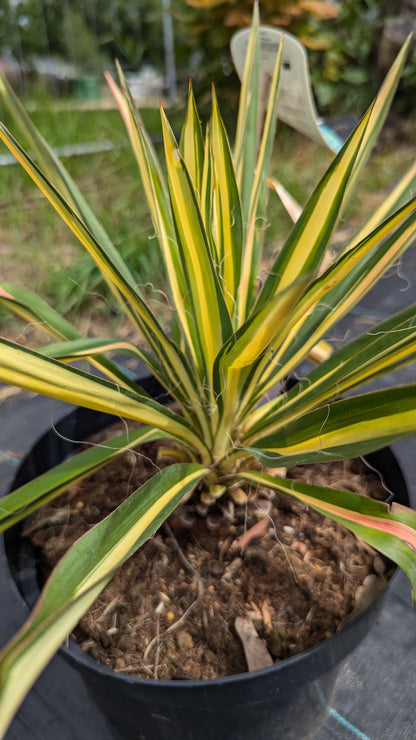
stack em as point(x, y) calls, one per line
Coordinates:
point(184, 641)
point(232, 569)
point(288, 529)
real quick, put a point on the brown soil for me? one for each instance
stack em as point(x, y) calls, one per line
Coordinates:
point(291, 576)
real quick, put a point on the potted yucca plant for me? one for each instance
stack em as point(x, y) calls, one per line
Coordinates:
point(234, 340)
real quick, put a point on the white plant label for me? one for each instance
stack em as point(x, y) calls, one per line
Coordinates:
point(296, 105)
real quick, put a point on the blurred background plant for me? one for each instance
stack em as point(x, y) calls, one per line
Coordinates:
point(343, 40)
point(89, 32)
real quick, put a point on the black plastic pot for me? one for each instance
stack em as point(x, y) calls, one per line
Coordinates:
point(288, 701)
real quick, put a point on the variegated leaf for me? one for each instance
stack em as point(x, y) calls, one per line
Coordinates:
point(208, 304)
point(305, 247)
point(346, 428)
point(337, 291)
point(30, 307)
point(32, 495)
point(389, 528)
point(80, 577)
point(191, 144)
point(27, 369)
point(229, 216)
point(387, 346)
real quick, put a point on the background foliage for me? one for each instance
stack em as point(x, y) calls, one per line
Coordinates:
point(341, 38)
point(91, 32)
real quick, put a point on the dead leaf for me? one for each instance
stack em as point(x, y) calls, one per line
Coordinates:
point(255, 651)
